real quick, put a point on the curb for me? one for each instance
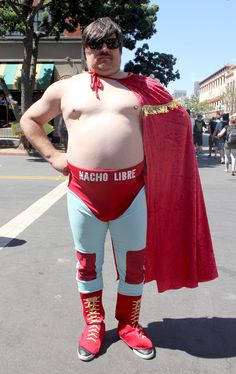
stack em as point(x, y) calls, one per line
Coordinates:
point(13, 152)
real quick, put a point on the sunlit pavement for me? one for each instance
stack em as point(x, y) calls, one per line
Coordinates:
point(193, 330)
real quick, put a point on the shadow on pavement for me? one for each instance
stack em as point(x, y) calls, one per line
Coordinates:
point(111, 337)
point(207, 162)
point(36, 158)
point(201, 337)
point(11, 242)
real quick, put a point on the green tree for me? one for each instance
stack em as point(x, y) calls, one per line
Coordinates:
point(158, 65)
point(195, 106)
point(137, 20)
point(229, 100)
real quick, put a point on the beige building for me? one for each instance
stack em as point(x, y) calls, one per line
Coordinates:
point(213, 88)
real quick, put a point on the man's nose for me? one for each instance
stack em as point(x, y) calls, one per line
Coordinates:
point(104, 46)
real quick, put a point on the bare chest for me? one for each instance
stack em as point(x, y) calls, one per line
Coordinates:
point(114, 99)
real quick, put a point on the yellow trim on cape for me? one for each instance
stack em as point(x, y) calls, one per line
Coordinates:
point(157, 109)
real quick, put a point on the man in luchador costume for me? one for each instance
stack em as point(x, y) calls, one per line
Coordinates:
point(123, 178)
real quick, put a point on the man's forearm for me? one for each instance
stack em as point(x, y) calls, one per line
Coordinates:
point(38, 138)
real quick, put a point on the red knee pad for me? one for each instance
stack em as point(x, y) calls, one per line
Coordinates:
point(135, 266)
point(86, 266)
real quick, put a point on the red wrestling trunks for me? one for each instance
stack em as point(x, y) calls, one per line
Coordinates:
point(108, 193)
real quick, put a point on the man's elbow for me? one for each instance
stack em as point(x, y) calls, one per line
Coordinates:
point(25, 122)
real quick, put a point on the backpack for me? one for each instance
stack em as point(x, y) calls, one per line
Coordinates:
point(231, 136)
point(198, 125)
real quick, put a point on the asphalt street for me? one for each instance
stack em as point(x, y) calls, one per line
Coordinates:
point(40, 317)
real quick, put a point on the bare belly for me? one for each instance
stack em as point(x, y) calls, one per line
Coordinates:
point(105, 142)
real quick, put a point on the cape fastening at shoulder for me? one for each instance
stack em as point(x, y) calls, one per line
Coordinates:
point(179, 247)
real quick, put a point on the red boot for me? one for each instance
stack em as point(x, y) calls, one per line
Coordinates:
point(129, 330)
point(92, 337)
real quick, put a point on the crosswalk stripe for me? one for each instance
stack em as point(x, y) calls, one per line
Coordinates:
point(14, 227)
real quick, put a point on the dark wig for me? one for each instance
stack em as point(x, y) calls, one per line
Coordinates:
point(101, 28)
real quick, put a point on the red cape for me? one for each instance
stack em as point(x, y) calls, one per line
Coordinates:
point(179, 247)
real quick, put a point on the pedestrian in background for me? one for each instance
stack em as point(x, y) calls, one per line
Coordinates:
point(199, 125)
point(191, 119)
point(211, 138)
point(219, 139)
point(229, 131)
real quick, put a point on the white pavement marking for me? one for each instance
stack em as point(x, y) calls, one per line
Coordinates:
point(13, 228)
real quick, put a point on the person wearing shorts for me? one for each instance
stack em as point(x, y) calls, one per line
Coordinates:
point(197, 133)
point(230, 148)
point(219, 140)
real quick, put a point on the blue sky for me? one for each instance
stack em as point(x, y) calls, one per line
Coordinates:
point(201, 34)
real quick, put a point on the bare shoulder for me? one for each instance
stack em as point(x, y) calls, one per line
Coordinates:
point(79, 81)
point(81, 77)
point(64, 86)
point(61, 85)
point(56, 89)
point(75, 86)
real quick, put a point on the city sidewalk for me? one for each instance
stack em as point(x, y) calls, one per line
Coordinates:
point(12, 152)
point(13, 149)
